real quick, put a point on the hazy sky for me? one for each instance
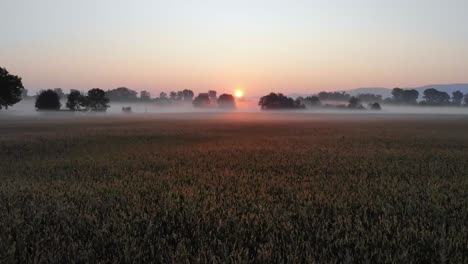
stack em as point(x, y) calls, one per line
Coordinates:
point(290, 46)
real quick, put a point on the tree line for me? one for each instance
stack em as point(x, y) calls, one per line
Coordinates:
point(12, 91)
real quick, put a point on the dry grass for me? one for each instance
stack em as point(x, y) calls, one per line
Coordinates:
point(241, 188)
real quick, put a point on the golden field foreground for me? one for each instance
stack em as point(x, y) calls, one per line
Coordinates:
point(235, 188)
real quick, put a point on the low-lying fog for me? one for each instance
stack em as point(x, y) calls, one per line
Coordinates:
point(26, 108)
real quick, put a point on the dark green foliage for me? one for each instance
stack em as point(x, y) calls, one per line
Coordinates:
point(48, 100)
point(11, 89)
point(226, 101)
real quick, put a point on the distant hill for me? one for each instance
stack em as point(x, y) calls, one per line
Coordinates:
point(387, 92)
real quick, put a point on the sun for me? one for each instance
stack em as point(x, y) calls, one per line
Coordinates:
point(239, 93)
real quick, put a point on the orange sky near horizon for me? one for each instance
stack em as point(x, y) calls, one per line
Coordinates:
point(263, 46)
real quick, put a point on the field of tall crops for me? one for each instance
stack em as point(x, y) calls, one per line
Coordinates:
point(236, 189)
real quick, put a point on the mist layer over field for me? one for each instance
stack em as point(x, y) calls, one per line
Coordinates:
point(26, 108)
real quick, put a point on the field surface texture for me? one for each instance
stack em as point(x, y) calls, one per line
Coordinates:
point(234, 188)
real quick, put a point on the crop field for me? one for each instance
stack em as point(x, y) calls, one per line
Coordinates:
point(236, 188)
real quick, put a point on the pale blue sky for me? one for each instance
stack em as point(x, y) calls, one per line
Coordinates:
point(290, 46)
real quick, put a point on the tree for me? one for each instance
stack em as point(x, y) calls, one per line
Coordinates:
point(75, 100)
point(48, 100)
point(226, 101)
point(202, 101)
point(369, 97)
point(60, 93)
point(333, 96)
point(435, 97)
point(187, 95)
point(457, 98)
point(11, 89)
point(407, 97)
point(355, 103)
point(277, 101)
point(312, 101)
point(173, 96)
point(466, 99)
point(97, 100)
point(145, 96)
point(213, 95)
point(122, 94)
point(180, 96)
point(163, 95)
point(375, 106)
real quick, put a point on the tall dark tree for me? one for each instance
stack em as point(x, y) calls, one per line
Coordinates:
point(97, 100)
point(163, 95)
point(435, 97)
point(457, 98)
point(11, 89)
point(48, 100)
point(202, 101)
point(75, 100)
point(226, 101)
point(465, 99)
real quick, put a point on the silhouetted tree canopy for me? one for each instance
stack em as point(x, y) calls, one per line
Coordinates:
point(11, 89)
point(375, 106)
point(75, 100)
point(187, 95)
point(369, 97)
point(312, 101)
point(278, 101)
point(97, 100)
point(173, 96)
point(202, 101)
point(122, 94)
point(213, 95)
point(60, 93)
point(162, 95)
point(457, 98)
point(145, 96)
point(48, 100)
point(355, 103)
point(333, 96)
point(435, 97)
point(408, 97)
point(466, 99)
point(226, 101)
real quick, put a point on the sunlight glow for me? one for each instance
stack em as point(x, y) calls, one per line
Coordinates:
point(239, 93)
